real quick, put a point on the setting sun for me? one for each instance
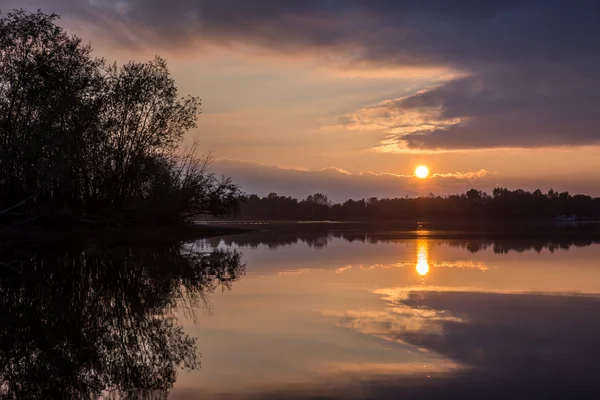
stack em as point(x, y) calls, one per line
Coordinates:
point(422, 172)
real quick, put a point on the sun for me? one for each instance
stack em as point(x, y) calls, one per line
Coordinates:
point(422, 172)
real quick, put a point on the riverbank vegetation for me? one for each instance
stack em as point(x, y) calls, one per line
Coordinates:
point(85, 141)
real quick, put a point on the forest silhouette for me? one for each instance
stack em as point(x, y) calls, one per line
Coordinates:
point(86, 141)
point(502, 204)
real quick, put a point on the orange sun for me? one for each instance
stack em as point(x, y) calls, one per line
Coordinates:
point(422, 172)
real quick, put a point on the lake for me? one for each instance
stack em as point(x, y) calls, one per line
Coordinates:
point(305, 313)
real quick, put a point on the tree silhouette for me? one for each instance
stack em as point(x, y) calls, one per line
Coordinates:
point(48, 110)
point(84, 140)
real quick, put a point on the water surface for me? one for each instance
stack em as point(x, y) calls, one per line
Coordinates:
point(304, 313)
point(376, 315)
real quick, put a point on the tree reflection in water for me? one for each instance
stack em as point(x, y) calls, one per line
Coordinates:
point(79, 323)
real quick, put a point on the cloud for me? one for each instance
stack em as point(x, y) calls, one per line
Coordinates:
point(513, 106)
point(385, 174)
point(456, 175)
point(338, 170)
point(527, 69)
point(262, 179)
point(388, 32)
point(337, 183)
point(397, 120)
point(463, 175)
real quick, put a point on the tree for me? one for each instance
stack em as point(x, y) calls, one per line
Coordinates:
point(83, 140)
point(49, 85)
point(319, 198)
point(144, 118)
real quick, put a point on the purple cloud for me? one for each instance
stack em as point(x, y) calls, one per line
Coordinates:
point(528, 67)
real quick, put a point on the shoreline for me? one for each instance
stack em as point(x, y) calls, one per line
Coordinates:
point(197, 230)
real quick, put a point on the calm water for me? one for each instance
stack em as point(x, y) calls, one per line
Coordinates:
point(323, 315)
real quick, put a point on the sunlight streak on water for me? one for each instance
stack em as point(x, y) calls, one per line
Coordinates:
point(422, 257)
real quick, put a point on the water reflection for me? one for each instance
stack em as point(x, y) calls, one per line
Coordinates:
point(510, 346)
point(422, 257)
point(358, 315)
point(78, 322)
point(405, 318)
point(527, 345)
point(320, 237)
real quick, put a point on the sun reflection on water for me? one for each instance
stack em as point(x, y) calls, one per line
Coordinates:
point(422, 257)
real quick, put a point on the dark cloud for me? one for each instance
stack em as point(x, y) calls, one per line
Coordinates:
point(462, 33)
point(533, 106)
point(530, 63)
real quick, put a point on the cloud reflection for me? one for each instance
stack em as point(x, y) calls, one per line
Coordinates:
point(508, 335)
point(495, 346)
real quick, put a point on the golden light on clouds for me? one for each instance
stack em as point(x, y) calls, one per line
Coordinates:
point(422, 172)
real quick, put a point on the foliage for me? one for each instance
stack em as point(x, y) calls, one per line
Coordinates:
point(79, 137)
point(474, 204)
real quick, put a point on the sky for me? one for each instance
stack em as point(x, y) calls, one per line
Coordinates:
point(347, 97)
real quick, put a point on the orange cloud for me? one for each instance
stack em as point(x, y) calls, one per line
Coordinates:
point(463, 175)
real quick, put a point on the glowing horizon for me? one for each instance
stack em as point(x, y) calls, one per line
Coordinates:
point(323, 95)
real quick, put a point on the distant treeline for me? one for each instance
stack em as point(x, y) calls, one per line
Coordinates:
point(84, 140)
point(474, 204)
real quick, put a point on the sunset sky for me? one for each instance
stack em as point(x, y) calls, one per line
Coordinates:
point(348, 97)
